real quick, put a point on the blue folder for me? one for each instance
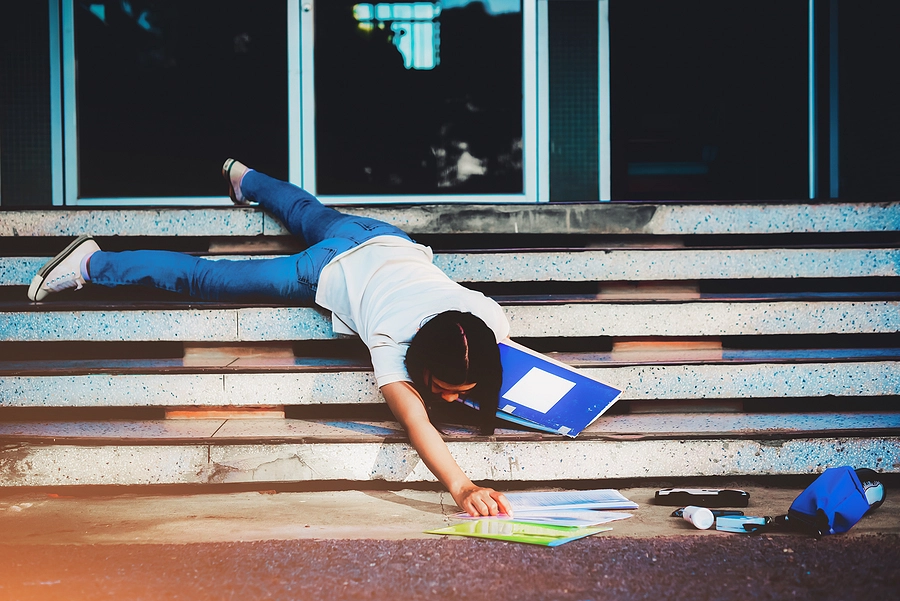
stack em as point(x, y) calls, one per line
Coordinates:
point(547, 395)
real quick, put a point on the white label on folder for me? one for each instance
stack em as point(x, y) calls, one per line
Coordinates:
point(508, 409)
point(539, 390)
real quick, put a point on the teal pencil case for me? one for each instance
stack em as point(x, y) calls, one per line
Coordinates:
point(735, 523)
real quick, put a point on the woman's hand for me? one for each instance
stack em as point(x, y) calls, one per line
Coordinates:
point(478, 500)
point(408, 408)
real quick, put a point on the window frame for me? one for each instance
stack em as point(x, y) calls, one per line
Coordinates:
point(301, 116)
point(535, 119)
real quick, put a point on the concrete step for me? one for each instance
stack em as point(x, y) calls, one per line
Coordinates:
point(663, 219)
point(248, 382)
point(568, 265)
point(240, 451)
point(841, 242)
point(205, 322)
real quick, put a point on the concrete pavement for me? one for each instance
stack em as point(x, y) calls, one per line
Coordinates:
point(130, 516)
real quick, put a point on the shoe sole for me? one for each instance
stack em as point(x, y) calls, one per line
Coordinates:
point(232, 193)
point(39, 278)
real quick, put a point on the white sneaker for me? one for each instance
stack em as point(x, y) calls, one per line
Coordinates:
point(62, 271)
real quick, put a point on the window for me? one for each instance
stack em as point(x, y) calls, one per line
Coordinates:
point(417, 98)
point(709, 100)
point(166, 90)
point(867, 151)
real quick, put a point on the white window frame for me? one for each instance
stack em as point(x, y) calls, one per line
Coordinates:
point(811, 98)
point(56, 116)
point(604, 152)
point(535, 119)
point(301, 117)
point(66, 163)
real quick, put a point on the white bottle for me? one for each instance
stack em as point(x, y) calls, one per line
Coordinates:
point(700, 517)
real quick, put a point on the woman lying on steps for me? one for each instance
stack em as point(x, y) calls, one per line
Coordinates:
point(430, 339)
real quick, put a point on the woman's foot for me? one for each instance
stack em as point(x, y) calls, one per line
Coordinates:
point(233, 171)
point(63, 271)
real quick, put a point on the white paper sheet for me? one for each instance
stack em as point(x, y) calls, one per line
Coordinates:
point(556, 517)
point(539, 390)
point(606, 498)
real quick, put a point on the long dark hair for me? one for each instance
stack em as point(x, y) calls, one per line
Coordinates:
point(457, 348)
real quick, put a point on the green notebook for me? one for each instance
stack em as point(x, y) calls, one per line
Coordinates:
point(520, 532)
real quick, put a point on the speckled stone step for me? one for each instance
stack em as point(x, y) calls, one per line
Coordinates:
point(40, 322)
point(176, 383)
point(61, 453)
point(221, 451)
point(619, 265)
point(669, 219)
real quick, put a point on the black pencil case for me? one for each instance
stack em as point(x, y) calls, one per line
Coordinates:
point(703, 497)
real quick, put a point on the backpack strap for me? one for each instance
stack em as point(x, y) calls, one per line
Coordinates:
point(773, 524)
point(790, 522)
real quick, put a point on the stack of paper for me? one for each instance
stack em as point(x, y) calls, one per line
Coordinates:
point(604, 498)
point(547, 518)
point(555, 517)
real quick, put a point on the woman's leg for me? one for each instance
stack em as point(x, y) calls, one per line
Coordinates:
point(324, 230)
point(303, 214)
point(282, 279)
point(299, 211)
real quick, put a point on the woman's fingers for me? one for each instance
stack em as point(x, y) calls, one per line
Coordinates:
point(481, 507)
point(486, 502)
point(503, 503)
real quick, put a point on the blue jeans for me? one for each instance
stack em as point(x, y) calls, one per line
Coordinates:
point(326, 232)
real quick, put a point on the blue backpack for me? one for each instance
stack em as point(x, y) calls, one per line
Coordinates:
point(832, 504)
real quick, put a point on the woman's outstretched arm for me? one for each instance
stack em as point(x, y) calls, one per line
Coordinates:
point(408, 408)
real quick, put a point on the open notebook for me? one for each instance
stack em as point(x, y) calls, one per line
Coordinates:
point(545, 394)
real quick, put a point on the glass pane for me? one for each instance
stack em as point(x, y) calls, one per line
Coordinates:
point(168, 89)
point(869, 122)
point(709, 99)
point(418, 98)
